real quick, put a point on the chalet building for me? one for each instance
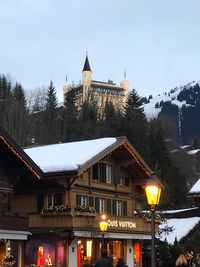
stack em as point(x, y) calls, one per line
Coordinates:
point(15, 166)
point(62, 190)
point(98, 91)
point(80, 181)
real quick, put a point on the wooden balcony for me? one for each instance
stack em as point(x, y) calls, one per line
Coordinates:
point(87, 221)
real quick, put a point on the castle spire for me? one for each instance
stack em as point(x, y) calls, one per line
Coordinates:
point(86, 64)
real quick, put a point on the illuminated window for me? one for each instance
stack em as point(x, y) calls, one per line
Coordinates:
point(137, 253)
point(89, 248)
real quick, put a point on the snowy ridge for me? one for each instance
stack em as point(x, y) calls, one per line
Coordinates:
point(153, 107)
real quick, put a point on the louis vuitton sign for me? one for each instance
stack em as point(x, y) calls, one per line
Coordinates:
point(121, 224)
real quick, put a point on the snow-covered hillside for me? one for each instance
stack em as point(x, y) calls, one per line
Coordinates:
point(154, 105)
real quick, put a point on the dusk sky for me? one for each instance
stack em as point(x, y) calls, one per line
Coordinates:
point(156, 41)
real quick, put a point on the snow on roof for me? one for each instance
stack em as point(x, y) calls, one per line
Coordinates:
point(181, 227)
point(194, 151)
point(180, 210)
point(67, 156)
point(195, 188)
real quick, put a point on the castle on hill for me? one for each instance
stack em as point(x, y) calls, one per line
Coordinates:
point(98, 91)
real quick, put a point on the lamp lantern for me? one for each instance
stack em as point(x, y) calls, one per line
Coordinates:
point(153, 192)
point(103, 226)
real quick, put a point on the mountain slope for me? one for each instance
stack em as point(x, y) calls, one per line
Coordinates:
point(179, 107)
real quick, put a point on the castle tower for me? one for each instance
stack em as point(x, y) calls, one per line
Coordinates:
point(86, 78)
point(125, 85)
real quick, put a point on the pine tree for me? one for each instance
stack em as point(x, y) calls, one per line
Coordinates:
point(88, 121)
point(69, 118)
point(135, 123)
point(17, 116)
point(50, 114)
point(112, 122)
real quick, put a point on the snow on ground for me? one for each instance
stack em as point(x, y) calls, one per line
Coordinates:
point(151, 112)
point(195, 188)
point(181, 227)
point(67, 156)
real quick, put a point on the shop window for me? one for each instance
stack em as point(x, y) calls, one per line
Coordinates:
point(84, 253)
point(137, 254)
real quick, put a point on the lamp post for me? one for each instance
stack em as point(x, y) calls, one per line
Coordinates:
point(153, 192)
point(103, 225)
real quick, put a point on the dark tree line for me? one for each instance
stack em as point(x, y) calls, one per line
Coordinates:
point(39, 120)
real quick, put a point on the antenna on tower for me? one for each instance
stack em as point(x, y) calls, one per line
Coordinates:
point(125, 74)
point(66, 78)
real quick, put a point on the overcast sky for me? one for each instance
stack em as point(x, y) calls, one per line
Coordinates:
point(156, 41)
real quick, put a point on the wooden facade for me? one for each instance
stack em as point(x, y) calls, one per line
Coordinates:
point(63, 208)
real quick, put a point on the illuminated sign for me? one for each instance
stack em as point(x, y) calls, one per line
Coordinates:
point(121, 224)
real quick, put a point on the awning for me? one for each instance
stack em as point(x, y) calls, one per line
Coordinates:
point(88, 234)
point(14, 235)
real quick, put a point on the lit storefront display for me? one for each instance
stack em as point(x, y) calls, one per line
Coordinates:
point(43, 252)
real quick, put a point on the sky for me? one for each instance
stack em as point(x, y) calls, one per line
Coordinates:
point(156, 41)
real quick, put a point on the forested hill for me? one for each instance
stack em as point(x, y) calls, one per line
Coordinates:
point(179, 109)
point(35, 118)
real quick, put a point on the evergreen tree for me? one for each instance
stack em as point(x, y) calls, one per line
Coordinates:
point(17, 116)
point(50, 114)
point(88, 121)
point(69, 115)
point(135, 123)
point(112, 122)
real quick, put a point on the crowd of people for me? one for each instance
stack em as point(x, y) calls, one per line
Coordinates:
point(106, 261)
point(189, 259)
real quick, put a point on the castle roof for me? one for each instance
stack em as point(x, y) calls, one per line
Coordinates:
point(86, 65)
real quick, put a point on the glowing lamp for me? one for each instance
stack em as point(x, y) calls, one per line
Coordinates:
point(153, 192)
point(103, 224)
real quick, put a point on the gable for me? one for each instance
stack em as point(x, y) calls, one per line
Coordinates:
point(14, 160)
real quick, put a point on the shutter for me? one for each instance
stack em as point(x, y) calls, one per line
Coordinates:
point(97, 204)
point(103, 172)
point(78, 200)
point(58, 199)
point(40, 202)
point(95, 172)
point(91, 201)
point(125, 208)
point(116, 174)
point(109, 206)
point(114, 207)
point(127, 181)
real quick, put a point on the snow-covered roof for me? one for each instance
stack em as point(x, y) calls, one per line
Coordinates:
point(195, 188)
point(180, 210)
point(181, 227)
point(193, 152)
point(67, 156)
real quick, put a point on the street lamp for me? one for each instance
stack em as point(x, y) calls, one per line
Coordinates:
point(153, 192)
point(103, 225)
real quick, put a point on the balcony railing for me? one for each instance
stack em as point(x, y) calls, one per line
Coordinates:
point(87, 220)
